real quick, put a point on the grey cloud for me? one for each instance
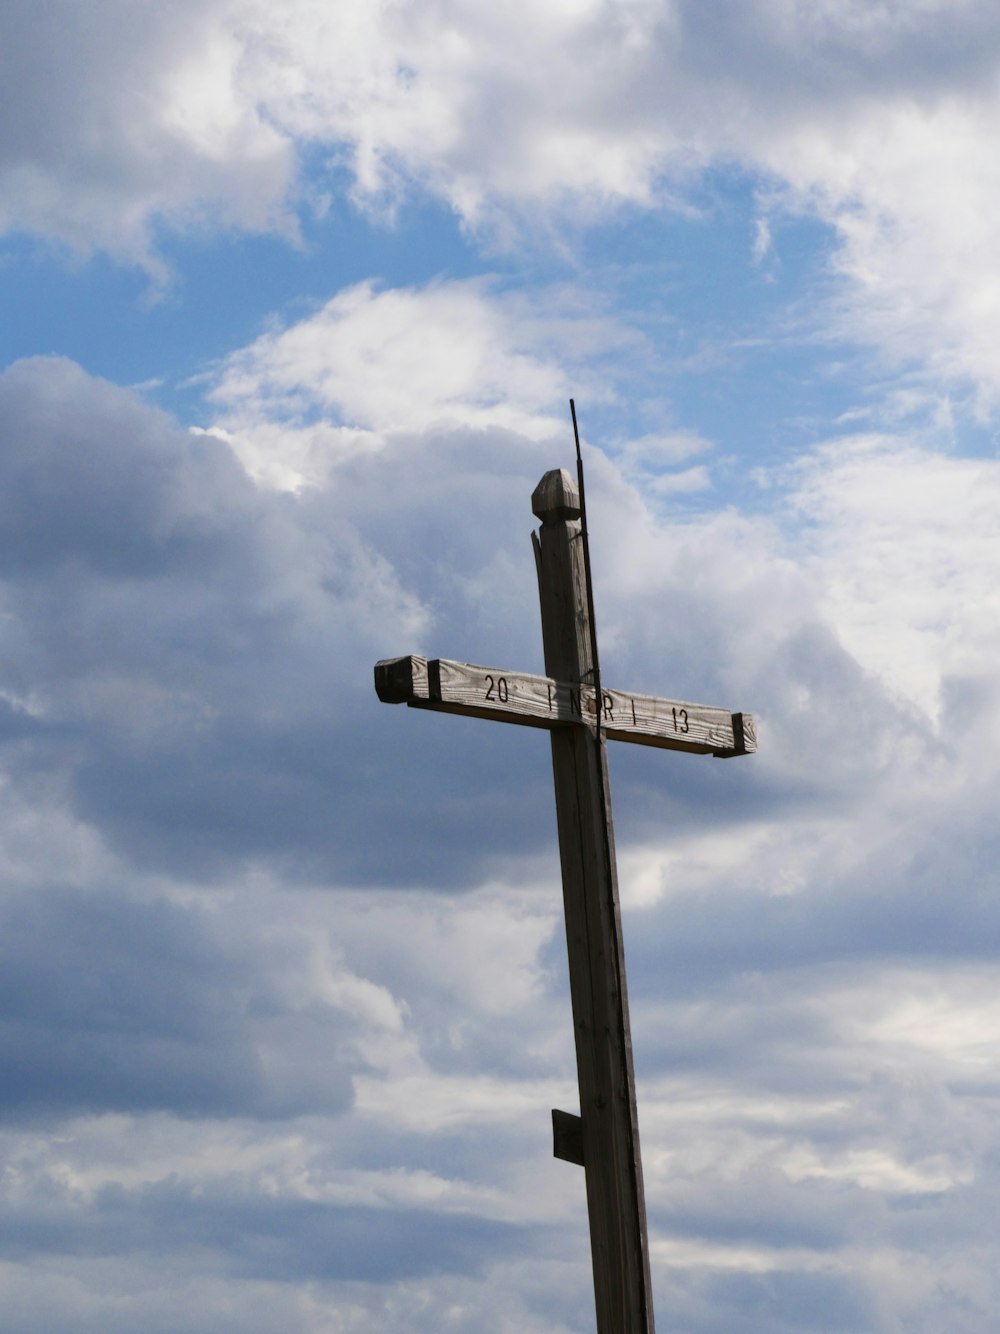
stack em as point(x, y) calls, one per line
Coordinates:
point(926, 892)
point(249, 1234)
point(203, 661)
point(836, 52)
point(781, 1303)
point(113, 1004)
point(92, 148)
point(126, 1298)
point(96, 483)
point(203, 666)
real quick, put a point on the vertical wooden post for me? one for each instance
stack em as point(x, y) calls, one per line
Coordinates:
point(615, 1201)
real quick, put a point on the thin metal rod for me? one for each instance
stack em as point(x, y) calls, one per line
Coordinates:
point(585, 535)
point(635, 1169)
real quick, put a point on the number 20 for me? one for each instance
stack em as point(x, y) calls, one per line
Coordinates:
point(500, 686)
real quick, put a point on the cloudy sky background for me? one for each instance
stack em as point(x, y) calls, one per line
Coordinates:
point(294, 297)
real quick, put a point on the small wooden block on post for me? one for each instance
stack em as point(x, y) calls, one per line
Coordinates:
point(567, 1137)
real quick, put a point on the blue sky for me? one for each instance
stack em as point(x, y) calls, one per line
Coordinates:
point(294, 299)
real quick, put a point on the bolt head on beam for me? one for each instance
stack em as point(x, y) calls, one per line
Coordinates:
point(556, 497)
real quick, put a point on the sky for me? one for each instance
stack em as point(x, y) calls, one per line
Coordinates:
point(293, 301)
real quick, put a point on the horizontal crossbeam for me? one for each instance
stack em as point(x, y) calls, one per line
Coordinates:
point(540, 701)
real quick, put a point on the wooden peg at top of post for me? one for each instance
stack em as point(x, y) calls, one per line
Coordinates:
point(565, 622)
point(556, 497)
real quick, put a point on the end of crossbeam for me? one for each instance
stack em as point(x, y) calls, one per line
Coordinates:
point(556, 497)
point(401, 680)
point(744, 738)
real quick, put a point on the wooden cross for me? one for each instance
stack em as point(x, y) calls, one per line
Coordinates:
point(604, 1139)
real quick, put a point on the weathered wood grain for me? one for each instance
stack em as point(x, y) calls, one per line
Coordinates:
point(541, 701)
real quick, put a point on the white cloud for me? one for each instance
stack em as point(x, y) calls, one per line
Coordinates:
point(877, 119)
point(907, 542)
point(762, 240)
point(121, 115)
point(909, 185)
point(372, 363)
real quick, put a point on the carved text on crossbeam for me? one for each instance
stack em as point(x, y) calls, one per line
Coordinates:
point(539, 701)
